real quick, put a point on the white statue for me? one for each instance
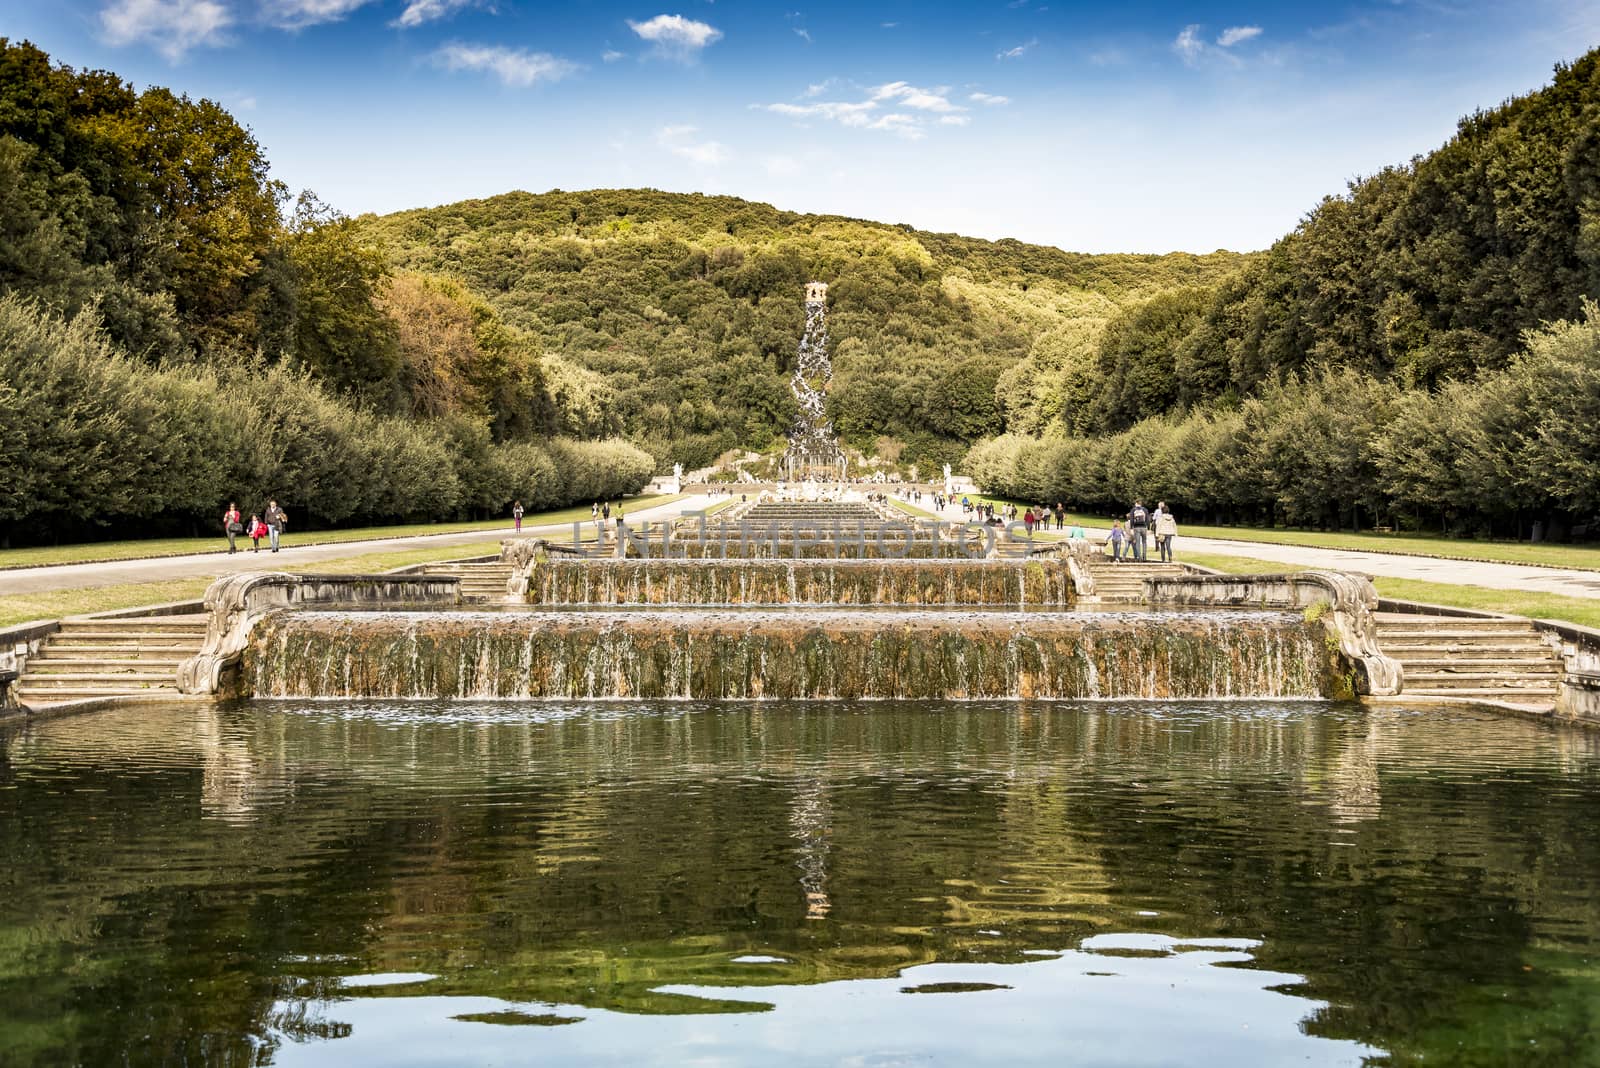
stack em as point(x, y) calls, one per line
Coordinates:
point(677, 472)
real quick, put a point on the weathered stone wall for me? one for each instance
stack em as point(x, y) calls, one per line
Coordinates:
point(236, 602)
point(1345, 604)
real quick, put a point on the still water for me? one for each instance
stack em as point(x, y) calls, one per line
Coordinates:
point(875, 884)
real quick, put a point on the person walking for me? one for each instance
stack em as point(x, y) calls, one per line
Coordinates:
point(231, 526)
point(1166, 530)
point(516, 515)
point(1060, 513)
point(1027, 521)
point(1138, 525)
point(256, 530)
point(276, 520)
point(1116, 539)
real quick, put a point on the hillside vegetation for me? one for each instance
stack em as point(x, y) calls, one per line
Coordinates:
point(1418, 351)
point(687, 310)
point(173, 335)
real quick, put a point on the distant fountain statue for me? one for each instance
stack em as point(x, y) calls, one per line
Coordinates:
point(813, 451)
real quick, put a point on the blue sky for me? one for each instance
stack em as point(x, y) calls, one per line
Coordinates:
point(1140, 127)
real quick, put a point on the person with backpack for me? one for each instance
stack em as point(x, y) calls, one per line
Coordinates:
point(1138, 525)
point(516, 515)
point(231, 526)
point(276, 520)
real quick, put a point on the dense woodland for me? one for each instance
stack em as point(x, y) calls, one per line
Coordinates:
point(177, 330)
point(174, 334)
point(1418, 351)
point(685, 311)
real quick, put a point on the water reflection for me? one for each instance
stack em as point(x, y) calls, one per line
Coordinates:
point(1194, 1003)
point(390, 883)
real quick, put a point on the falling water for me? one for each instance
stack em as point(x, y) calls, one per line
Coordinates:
point(765, 653)
point(1037, 584)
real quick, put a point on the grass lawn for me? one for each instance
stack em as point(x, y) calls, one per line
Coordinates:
point(1583, 557)
point(27, 607)
point(911, 509)
point(133, 550)
point(1583, 611)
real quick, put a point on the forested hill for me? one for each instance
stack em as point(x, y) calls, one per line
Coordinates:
point(1427, 272)
point(689, 308)
point(1424, 349)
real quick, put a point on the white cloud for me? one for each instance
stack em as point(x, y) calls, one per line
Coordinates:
point(611, 55)
point(781, 166)
point(679, 140)
point(802, 33)
point(912, 97)
point(848, 113)
point(925, 107)
point(172, 27)
point(1188, 45)
point(906, 126)
point(298, 14)
point(989, 99)
point(513, 67)
point(675, 36)
point(1235, 34)
point(1019, 51)
point(418, 12)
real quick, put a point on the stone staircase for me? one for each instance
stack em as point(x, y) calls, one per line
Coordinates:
point(1123, 583)
point(480, 582)
point(90, 658)
point(1470, 658)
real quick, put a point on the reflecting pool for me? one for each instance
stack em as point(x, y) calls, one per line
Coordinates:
point(1252, 883)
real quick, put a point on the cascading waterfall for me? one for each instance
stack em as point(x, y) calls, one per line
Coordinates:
point(952, 583)
point(755, 653)
point(813, 450)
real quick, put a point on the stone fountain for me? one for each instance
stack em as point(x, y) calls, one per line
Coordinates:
point(804, 598)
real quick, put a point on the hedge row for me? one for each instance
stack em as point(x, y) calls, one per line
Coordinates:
point(89, 437)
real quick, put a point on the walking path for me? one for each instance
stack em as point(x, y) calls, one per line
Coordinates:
point(1457, 572)
point(214, 565)
point(1574, 583)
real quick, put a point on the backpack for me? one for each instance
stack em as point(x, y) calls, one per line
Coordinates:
point(1139, 517)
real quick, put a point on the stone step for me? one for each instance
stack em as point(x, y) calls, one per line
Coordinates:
point(181, 619)
point(120, 678)
point(1418, 644)
point(1457, 626)
point(1425, 682)
point(103, 639)
point(1545, 696)
point(127, 651)
point(54, 695)
point(58, 664)
point(1530, 665)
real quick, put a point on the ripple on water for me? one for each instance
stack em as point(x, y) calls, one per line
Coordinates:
point(1128, 883)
